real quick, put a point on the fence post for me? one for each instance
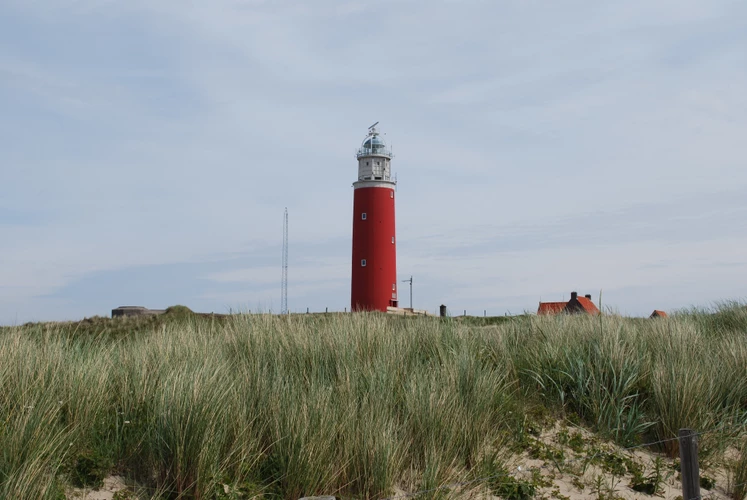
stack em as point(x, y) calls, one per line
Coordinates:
point(307, 310)
point(326, 310)
point(689, 464)
point(465, 312)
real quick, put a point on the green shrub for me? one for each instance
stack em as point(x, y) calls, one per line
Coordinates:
point(89, 469)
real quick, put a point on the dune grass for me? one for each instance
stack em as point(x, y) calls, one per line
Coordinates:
point(353, 405)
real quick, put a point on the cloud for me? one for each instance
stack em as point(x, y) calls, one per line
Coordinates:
point(151, 137)
point(705, 217)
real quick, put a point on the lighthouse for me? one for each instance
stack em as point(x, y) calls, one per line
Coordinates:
point(374, 276)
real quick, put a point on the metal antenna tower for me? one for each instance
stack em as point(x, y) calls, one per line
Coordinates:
point(284, 279)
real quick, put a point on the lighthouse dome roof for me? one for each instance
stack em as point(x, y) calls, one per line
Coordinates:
point(373, 142)
point(374, 145)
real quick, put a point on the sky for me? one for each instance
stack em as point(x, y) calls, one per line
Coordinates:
point(148, 149)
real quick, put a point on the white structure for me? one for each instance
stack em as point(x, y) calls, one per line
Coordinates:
point(374, 158)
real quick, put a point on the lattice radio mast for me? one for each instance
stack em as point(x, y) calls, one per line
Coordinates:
point(284, 279)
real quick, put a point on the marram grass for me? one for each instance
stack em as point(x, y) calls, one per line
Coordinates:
point(352, 405)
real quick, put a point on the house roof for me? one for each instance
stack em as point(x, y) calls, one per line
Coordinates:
point(658, 314)
point(587, 305)
point(551, 307)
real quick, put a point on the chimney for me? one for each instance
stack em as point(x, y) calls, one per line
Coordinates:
point(574, 296)
point(588, 296)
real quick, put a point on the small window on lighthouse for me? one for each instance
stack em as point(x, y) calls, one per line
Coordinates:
point(394, 287)
point(363, 262)
point(392, 240)
point(391, 194)
point(363, 216)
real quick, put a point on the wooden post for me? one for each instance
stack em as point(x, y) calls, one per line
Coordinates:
point(689, 464)
point(307, 310)
point(326, 310)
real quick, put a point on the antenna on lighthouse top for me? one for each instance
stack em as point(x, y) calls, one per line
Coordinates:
point(371, 128)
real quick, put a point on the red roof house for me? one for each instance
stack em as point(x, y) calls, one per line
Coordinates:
point(551, 307)
point(577, 305)
point(658, 314)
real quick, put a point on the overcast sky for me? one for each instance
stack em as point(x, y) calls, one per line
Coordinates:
point(148, 148)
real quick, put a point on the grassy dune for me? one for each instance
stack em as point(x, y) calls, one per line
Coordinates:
point(353, 405)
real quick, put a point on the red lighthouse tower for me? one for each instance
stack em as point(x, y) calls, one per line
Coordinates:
point(374, 277)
